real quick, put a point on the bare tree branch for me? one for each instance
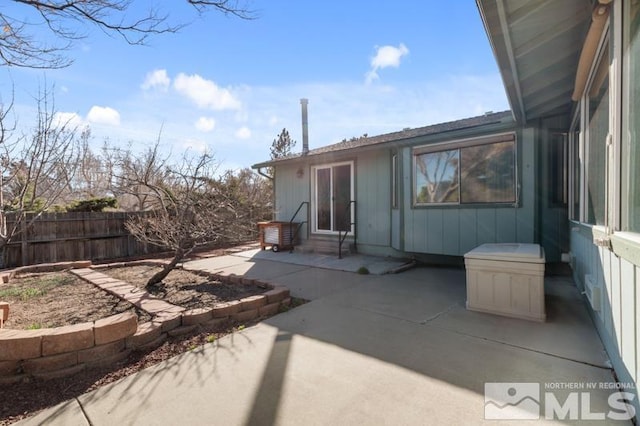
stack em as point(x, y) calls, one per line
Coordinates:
point(37, 169)
point(65, 20)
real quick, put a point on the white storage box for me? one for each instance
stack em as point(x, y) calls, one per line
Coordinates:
point(506, 279)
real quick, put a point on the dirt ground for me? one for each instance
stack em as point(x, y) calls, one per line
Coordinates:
point(183, 288)
point(54, 299)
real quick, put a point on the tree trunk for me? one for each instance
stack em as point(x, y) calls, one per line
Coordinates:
point(161, 275)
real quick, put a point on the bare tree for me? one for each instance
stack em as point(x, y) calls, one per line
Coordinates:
point(137, 178)
point(92, 178)
point(251, 194)
point(37, 169)
point(193, 208)
point(64, 20)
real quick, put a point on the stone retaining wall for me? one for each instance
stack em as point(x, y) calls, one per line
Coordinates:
point(62, 351)
point(56, 352)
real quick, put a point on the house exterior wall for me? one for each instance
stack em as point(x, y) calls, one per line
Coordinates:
point(373, 197)
point(455, 230)
point(291, 188)
point(553, 222)
point(607, 254)
point(618, 315)
point(430, 230)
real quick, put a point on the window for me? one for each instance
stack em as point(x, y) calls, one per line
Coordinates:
point(598, 130)
point(437, 177)
point(631, 118)
point(474, 171)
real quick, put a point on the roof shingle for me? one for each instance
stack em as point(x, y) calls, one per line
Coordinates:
point(481, 120)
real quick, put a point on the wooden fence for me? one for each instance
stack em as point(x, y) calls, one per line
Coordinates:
point(57, 237)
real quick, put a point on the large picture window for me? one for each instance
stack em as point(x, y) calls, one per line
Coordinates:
point(473, 172)
point(631, 122)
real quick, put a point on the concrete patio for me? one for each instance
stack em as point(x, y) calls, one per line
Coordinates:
point(367, 349)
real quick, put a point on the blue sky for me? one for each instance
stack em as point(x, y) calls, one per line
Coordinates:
point(230, 85)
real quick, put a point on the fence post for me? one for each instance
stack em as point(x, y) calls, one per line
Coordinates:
point(24, 244)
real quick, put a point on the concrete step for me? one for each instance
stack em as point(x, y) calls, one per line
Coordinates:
point(325, 245)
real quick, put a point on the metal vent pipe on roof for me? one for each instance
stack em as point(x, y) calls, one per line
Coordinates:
point(305, 126)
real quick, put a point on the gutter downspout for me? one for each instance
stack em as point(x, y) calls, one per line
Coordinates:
point(273, 186)
point(261, 173)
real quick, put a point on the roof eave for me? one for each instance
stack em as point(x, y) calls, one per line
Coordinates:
point(509, 79)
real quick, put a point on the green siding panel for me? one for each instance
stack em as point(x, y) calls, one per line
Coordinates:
point(373, 197)
point(435, 231)
point(468, 230)
point(395, 229)
point(506, 225)
point(451, 232)
point(525, 219)
point(487, 227)
point(291, 190)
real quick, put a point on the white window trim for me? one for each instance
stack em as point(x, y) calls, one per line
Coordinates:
point(616, 75)
point(314, 198)
point(586, 137)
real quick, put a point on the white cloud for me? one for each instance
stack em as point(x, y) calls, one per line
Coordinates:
point(69, 120)
point(386, 56)
point(205, 93)
point(103, 115)
point(156, 79)
point(205, 124)
point(273, 120)
point(243, 133)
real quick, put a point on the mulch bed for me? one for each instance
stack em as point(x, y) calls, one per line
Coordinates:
point(183, 288)
point(55, 299)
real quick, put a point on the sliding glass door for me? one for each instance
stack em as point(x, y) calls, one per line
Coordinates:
point(333, 190)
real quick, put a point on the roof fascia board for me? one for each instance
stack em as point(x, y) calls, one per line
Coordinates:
point(517, 112)
point(502, 15)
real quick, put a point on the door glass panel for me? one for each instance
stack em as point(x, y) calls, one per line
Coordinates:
point(342, 197)
point(323, 209)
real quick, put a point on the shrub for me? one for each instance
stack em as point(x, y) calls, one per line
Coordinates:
point(93, 204)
